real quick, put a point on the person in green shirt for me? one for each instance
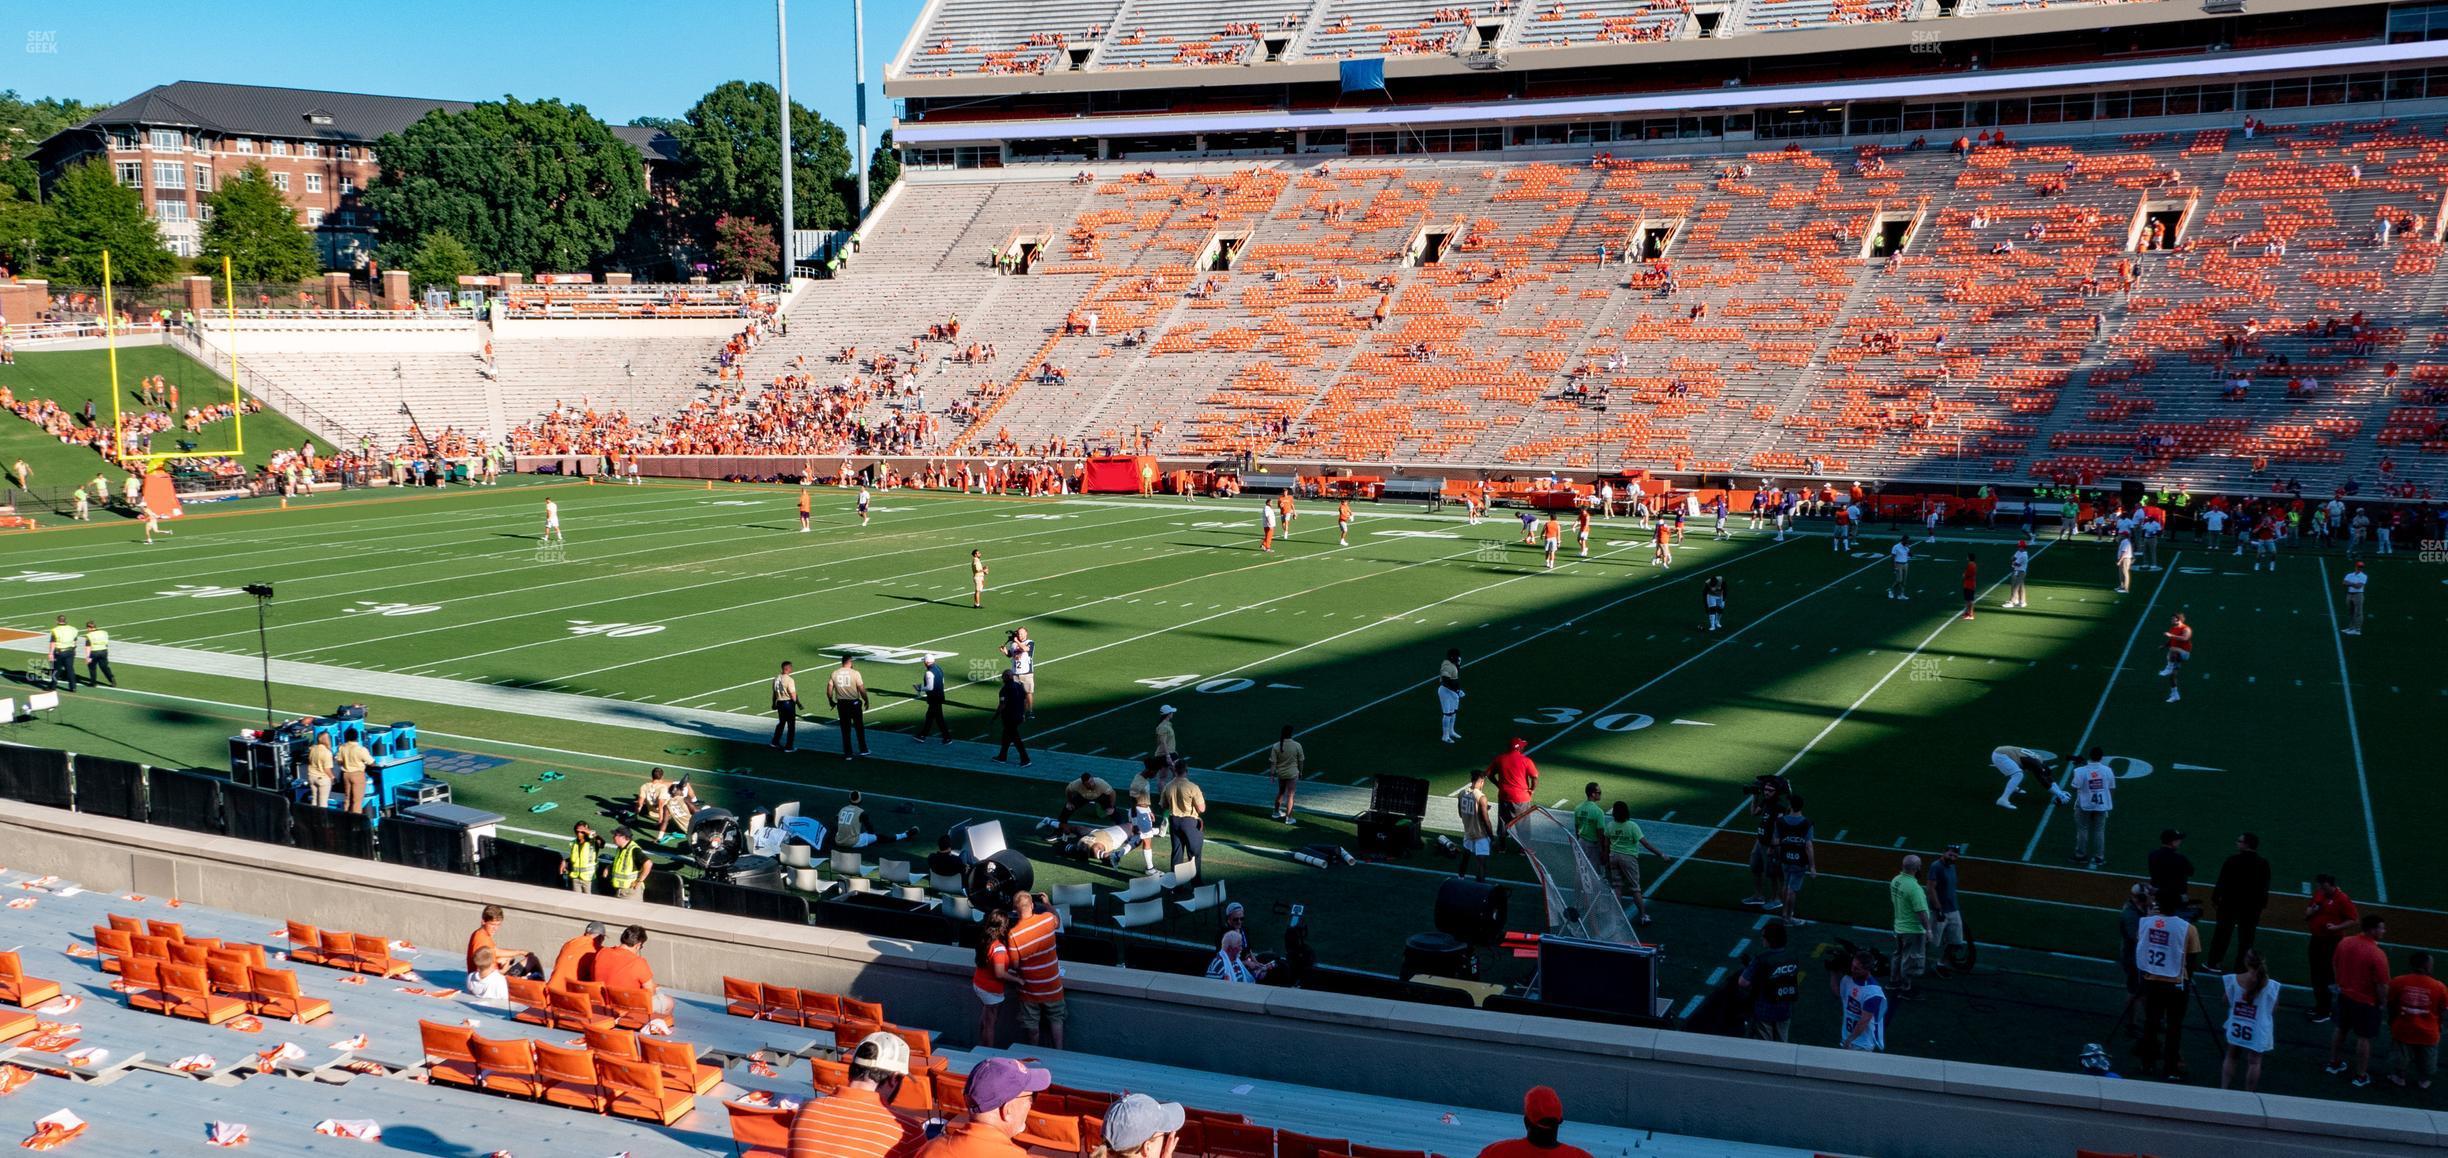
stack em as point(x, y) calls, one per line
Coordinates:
point(1589, 824)
point(2069, 515)
point(1624, 845)
point(1912, 921)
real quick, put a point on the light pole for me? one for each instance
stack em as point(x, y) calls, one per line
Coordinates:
point(858, 64)
point(782, 45)
point(263, 641)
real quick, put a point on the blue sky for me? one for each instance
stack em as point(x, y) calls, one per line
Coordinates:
point(620, 58)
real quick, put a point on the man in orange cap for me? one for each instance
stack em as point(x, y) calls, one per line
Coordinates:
point(1542, 1117)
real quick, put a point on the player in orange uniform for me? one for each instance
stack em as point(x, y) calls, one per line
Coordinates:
point(1553, 535)
point(1343, 523)
point(2179, 653)
point(1662, 555)
point(1581, 528)
point(803, 510)
point(1283, 503)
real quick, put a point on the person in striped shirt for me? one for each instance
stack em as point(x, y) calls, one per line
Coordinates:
point(854, 1121)
point(1042, 1009)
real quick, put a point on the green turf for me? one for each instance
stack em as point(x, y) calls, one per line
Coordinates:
point(1883, 712)
point(70, 377)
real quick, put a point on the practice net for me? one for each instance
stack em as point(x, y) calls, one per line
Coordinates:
point(1580, 900)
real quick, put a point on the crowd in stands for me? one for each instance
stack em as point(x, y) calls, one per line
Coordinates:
point(637, 301)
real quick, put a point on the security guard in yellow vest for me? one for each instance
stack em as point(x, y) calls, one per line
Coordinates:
point(63, 655)
point(97, 656)
point(629, 867)
point(578, 864)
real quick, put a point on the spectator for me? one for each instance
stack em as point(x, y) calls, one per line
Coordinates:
point(1912, 921)
point(2330, 915)
point(1286, 762)
point(623, 966)
point(1864, 1007)
point(2171, 871)
point(1796, 855)
point(1773, 981)
point(485, 984)
point(1138, 1126)
point(1232, 960)
point(1042, 1008)
point(2252, 1025)
point(994, 976)
point(855, 1121)
point(2238, 898)
point(2362, 972)
point(576, 960)
point(2415, 999)
point(515, 962)
point(2164, 954)
point(1542, 1120)
point(1000, 1091)
point(1947, 928)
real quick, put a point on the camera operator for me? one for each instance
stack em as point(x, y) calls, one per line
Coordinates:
point(1766, 801)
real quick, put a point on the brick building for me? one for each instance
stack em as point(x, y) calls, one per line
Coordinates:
point(175, 143)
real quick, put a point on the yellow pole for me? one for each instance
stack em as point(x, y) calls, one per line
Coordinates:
point(229, 297)
point(110, 340)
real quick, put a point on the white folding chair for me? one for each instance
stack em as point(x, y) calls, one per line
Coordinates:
point(1203, 898)
point(797, 855)
point(1181, 876)
point(894, 872)
point(1141, 889)
point(945, 884)
point(849, 865)
point(858, 884)
point(1138, 913)
point(1066, 896)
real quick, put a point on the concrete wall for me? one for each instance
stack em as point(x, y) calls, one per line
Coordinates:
point(1801, 1096)
point(371, 335)
point(596, 329)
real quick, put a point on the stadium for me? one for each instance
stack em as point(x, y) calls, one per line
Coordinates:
point(1405, 579)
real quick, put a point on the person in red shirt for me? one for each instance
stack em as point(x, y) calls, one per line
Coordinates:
point(623, 967)
point(2362, 983)
point(1542, 1119)
point(2415, 999)
point(2328, 918)
point(515, 962)
point(1971, 582)
point(2179, 653)
point(576, 960)
point(1516, 778)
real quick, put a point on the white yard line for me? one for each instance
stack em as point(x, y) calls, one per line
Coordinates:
point(2083, 744)
point(1951, 619)
point(1645, 590)
point(2354, 736)
point(1377, 622)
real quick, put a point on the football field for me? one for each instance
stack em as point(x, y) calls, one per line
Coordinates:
point(679, 599)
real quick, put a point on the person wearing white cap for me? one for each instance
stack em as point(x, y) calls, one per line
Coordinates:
point(1138, 1126)
point(855, 1121)
point(1165, 744)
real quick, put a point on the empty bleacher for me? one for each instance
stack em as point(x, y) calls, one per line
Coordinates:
point(2028, 330)
point(1193, 33)
point(1006, 36)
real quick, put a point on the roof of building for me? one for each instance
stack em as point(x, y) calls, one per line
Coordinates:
point(246, 110)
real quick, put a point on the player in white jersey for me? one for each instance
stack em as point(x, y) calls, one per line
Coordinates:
point(1449, 695)
point(2016, 763)
point(2252, 1020)
point(2018, 569)
point(552, 523)
point(2356, 581)
point(863, 499)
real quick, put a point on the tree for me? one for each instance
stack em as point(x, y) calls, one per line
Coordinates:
point(441, 259)
point(883, 168)
point(745, 248)
point(21, 224)
point(731, 160)
point(91, 212)
point(27, 123)
point(528, 186)
point(253, 225)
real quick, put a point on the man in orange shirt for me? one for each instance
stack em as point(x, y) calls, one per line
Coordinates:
point(622, 967)
point(576, 960)
point(515, 962)
point(2362, 972)
point(854, 1122)
point(1000, 1091)
point(1043, 1011)
point(2415, 999)
point(1542, 1119)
